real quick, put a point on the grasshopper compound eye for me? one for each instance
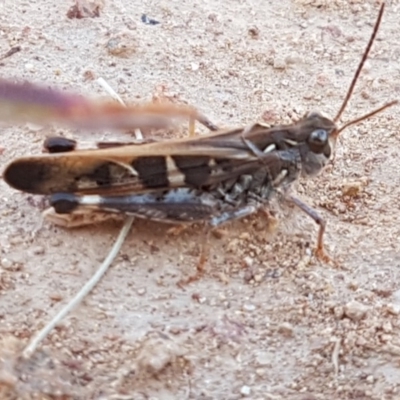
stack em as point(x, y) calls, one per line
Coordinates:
point(317, 140)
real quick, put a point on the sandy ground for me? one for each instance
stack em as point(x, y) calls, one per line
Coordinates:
point(267, 321)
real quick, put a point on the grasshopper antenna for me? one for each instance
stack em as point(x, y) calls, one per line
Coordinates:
point(360, 66)
point(366, 116)
point(354, 81)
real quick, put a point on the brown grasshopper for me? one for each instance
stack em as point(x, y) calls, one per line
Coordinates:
point(213, 178)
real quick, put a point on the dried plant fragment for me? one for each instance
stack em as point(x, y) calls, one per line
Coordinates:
point(85, 9)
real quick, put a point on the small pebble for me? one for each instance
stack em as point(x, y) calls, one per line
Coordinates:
point(249, 307)
point(37, 250)
point(293, 59)
point(245, 391)
point(248, 261)
point(248, 275)
point(29, 67)
point(260, 372)
point(286, 329)
point(221, 296)
point(352, 189)
point(149, 21)
point(279, 63)
point(338, 312)
point(55, 296)
point(370, 379)
point(122, 45)
point(16, 240)
point(264, 358)
point(393, 309)
point(55, 242)
point(387, 327)
point(355, 310)
point(254, 32)
point(6, 263)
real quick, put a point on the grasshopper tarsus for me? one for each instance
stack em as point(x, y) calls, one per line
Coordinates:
point(320, 250)
point(322, 256)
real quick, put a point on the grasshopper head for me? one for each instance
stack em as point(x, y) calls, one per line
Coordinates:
point(319, 144)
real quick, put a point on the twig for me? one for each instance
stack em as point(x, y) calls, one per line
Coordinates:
point(30, 349)
point(335, 356)
point(11, 52)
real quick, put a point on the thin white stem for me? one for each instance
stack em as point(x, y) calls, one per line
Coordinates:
point(115, 95)
point(30, 349)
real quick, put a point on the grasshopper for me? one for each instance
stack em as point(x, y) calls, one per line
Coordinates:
point(213, 179)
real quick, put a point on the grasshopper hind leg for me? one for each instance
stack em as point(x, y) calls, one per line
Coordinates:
point(179, 206)
point(214, 223)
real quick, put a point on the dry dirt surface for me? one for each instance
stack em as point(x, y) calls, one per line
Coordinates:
point(267, 321)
